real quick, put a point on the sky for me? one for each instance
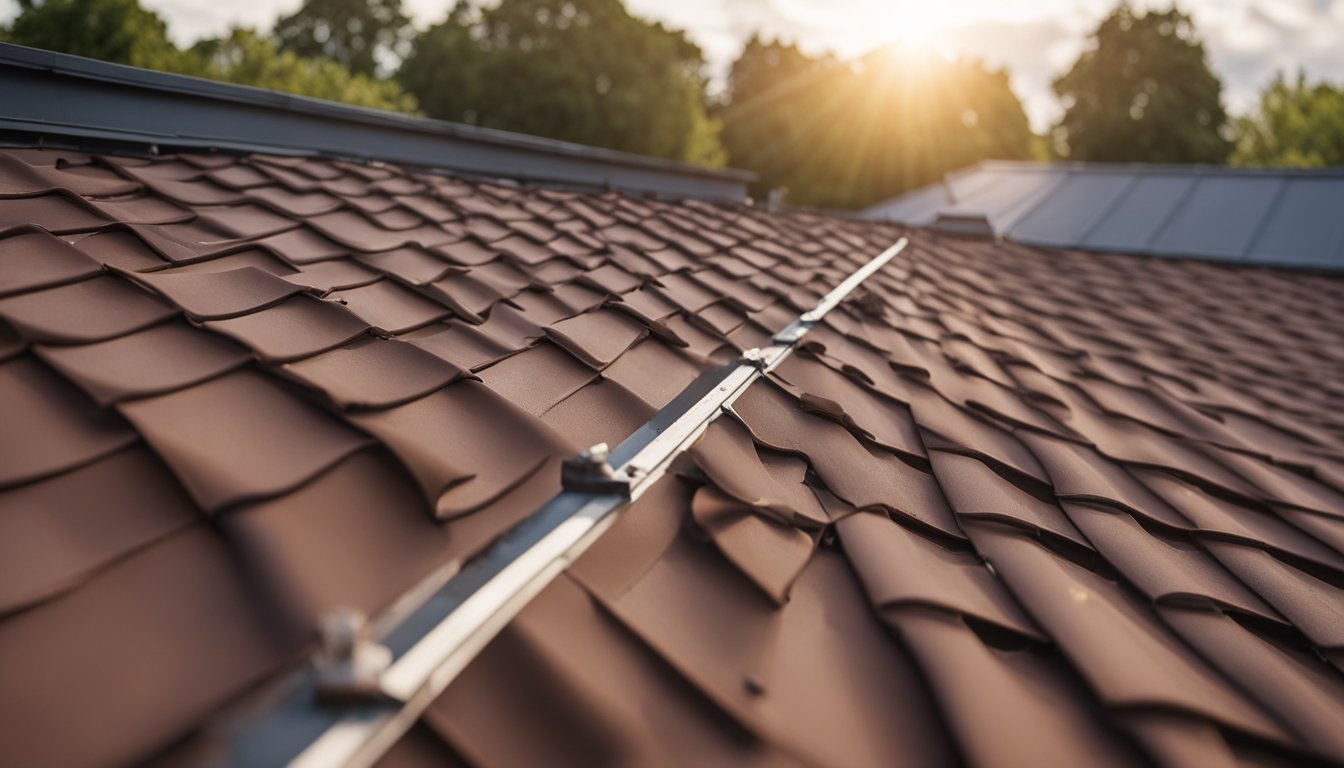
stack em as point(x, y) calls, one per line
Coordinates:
point(1247, 40)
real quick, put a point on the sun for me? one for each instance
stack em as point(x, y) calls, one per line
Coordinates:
point(914, 31)
point(918, 25)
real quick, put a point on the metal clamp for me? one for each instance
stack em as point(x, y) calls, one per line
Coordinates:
point(755, 357)
point(591, 472)
point(792, 334)
point(349, 663)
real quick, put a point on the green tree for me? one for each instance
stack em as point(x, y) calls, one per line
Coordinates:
point(578, 70)
point(363, 35)
point(108, 30)
point(845, 135)
point(1297, 125)
point(248, 58)
point(123, 32)
point(1143, 93)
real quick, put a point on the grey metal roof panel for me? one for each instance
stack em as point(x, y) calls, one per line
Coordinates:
point(1305, 227)
point(970, 181)
point(1064, 217)
point(1219, 218)
point(916, 209)
point(1139, 214)
point(1283, 217)
point(1009, 196)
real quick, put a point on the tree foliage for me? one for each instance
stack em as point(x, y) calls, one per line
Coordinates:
point(1297, 125)
point(359, 34)
point(123, 32)
point(578, 70)
point(109, 30)
point(847, 135)
point(248, 58)
point(1143, 93)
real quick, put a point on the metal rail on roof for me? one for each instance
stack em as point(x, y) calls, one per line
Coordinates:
point(73, 101)
point(436, 631)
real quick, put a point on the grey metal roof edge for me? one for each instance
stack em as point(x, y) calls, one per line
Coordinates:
point(1240, 262)
point(57, 95)
point(1184, 169)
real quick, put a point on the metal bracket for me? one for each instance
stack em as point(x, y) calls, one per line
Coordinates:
point(755, 357)
point(591, 472)
point(349, 664)
point(792, 334)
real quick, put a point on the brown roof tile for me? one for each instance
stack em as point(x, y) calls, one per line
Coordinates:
point(217, 295)
point(601, 411)
point(374, 373)
point(225, 454)
point(59, 531)
point(465, 444)
point(68, 663)
point(537, 378)
point(374, 538)
point(158, 359)
point(90, 310)
point(388, 307)
point(596, 338)
point(336, 274)
point(49, 426)
point(298, 327)
point(34, 259)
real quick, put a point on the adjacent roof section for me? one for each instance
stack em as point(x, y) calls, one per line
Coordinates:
point(73, 101)
point(1272, 217)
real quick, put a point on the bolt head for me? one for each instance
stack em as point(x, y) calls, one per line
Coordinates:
point(598, 454)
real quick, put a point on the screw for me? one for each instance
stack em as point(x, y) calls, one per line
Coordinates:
point(753, 685)
point(598, 454)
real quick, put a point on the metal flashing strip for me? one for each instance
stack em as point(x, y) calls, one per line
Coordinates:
point(431, 643)
point(70, 100)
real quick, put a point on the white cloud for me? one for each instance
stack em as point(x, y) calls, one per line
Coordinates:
point(1248, 40)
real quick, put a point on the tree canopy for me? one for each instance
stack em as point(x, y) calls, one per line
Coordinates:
point(1297, 125)
point(363, 35)
point(120, 31)
point(1143, 93)
point(123, 32)
point(248, 58)
point(847, 135)
point(578, 70)
point(837, 134)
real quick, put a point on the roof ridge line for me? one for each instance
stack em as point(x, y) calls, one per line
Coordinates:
point(82, 102)
point(452, 615)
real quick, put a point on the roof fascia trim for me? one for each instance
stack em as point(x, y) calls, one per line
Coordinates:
point(61, 96)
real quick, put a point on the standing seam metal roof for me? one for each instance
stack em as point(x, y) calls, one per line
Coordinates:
point(1281, 218)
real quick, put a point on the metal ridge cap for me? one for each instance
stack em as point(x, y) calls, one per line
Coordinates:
point(79, 67)
point(11, 127)
point(442, 624)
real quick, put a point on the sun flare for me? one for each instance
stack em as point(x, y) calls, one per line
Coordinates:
point(917, 25)
point(915, 31)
